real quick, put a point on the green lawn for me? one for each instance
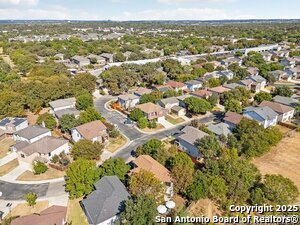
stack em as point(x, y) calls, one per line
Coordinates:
point(174, 120)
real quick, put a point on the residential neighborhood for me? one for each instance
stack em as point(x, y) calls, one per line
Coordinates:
point(106, 122)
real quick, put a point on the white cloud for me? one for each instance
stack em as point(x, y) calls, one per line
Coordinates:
point(19, 2)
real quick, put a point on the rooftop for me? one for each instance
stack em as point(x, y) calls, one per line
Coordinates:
point(220, 129)
point(62, 103)
point(43, 146)
point(32, 132)
point(233, 118)
point(12, 120)
point(53, 215)
point(92, 129)
point(277, 107)
point(191, 134)
point(106, 201)
point(149, 107)
point(146, 162)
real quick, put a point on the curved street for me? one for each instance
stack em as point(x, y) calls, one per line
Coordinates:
point(17, 191)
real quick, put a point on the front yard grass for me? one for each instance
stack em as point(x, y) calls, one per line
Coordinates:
point(116, 143)
point(5, 146)
point(174, 120)
point(75, 213)
point(23, 209)
point(49, 174)
point(6, 168)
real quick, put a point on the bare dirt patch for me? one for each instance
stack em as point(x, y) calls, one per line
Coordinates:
point(205, 207)
point(283, 159)
point(49, 174)
point(23, 209)
point(5, 145)
point(8, 167)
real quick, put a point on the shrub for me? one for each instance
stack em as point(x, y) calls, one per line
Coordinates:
point(31, 198)
point(152, 124)
point(39, 168)
point(143, 123)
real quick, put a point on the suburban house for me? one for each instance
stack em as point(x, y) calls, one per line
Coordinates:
point(267, 56)
point(12, 124)
point(42, 150)
point(61, 104)
point(99, 59)
point(293, 73)
point(104, 205)
point(31, 134)
point(286, 101)
point(147, 163)
point(178, 110)
point(278, 74)
point(202, 94)
point(218, 90)
point(220, 129)
point(80, 61)
point(232, 86)
point(70, 111)
point(168, 103)
point(218, 74)
point(259, 83)
point(253, 71)
point(288, 63)
point(264, 115)
point(141, 91)
point(162, 88)
point(109, 58)
point(152, 111)
point(285, 113)
point(128, 101)
point(229, 61)
point(54, 215)
point(186, 141)
point(94, 131)
point(232, 119)
point(177, 85)
point(193, 85)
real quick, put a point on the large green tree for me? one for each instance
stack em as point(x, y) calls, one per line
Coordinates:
point(84, 101)
point(47, 119)
point(81, 176)
point(115, 167)
point(197, 105)
point(87, 149)
point(139, 211)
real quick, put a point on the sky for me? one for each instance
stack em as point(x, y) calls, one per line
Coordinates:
point(149, 9)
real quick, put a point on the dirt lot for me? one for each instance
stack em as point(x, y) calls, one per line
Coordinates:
point(283, 159)
point(23, 209)
point(49, 174)
point(5, 146)
point(6, 168)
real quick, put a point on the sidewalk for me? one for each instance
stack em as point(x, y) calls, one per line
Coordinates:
point(15, 173)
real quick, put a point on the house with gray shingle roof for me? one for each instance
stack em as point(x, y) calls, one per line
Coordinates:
point(31, 134)
point(106, 202)
point(264, 115)
point(286, 101)
point(61, 104)
point(186, 141)
point(285, 113)
point(220, 129)
point(168, 103)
